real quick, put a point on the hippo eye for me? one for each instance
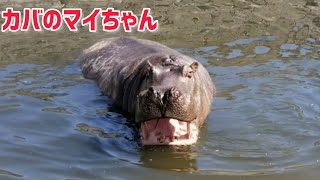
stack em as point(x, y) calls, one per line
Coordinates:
point(168, 61)
point(173, 57)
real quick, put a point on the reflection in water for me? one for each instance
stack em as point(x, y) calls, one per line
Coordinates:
point(170, 158)
point(4, 172)
point(95, 131)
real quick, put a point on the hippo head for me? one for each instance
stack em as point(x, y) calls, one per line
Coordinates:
point(168, 102)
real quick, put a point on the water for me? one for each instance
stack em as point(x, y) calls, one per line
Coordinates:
point(264, 121)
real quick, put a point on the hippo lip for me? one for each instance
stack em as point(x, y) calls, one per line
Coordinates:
point(168, 131)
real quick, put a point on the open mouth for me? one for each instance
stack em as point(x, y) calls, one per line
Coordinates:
point(168, 131)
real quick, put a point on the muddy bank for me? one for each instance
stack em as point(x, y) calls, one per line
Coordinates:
point(183, 23)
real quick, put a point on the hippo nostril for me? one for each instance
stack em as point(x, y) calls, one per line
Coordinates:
point(174, 92)
point(170, 94)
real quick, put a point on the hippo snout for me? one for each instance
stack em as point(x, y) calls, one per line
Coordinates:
point(168, 94)
point(156, 102)
point(171, 95)
point(164, 96)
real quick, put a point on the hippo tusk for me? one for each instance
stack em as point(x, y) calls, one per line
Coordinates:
point(162, 138)
point(145, 130)
point(188, 130)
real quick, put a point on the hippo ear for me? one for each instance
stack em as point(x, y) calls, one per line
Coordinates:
point(188, 71)
point(194, 66)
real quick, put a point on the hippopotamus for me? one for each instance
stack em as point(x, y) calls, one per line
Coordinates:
point(166, 93)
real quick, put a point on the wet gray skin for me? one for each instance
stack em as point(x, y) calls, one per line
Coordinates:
point(154, 84)
point(263, 124)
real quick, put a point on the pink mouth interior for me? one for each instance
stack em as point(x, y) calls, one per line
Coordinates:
point(168, 131)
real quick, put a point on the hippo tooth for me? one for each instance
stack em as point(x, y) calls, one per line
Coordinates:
point(171, 138)
point(162, 138)
point(145, 130)
point(188, 130)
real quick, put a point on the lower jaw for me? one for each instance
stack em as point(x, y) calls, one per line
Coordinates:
point(169, 132)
